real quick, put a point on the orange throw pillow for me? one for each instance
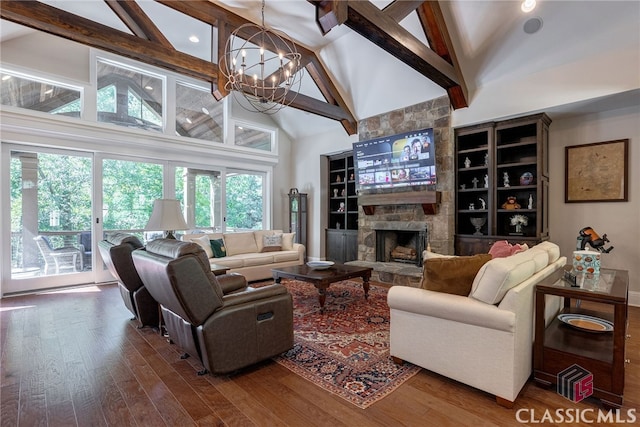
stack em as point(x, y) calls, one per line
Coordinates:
point(452, 275)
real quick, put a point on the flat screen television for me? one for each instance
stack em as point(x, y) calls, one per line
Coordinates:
point(401, 160)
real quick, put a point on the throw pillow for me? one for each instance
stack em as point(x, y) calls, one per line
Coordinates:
point(203, 242)
point(287, 241)
point(503, 248)
point(240, 243)
point(217, 246)
point(272, 243)
point(452, 275)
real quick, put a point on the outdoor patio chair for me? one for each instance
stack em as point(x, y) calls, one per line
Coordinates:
point(64, 258)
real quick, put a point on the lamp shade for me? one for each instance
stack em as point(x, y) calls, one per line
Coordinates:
point(166, 216)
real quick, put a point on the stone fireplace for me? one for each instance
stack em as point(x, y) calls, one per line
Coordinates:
point(398, 244)
point(425, 214)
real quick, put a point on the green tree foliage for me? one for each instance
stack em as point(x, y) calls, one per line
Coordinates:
point(64, 192)
point(244, 201)
point(129, 189)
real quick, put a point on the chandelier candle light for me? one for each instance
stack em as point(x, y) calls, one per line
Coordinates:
point(268, 81)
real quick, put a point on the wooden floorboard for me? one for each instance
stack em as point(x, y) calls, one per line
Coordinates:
point(75, 358)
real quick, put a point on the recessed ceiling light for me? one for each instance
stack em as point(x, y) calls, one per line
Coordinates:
point(188, 120)
point(532, 25)
point(147, 87)
point(194, 39)
point(6, 77)
point(528, 5)
point(204, 110)
point(48, 91)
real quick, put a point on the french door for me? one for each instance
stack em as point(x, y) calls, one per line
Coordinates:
point(50, 215)
point(62, 202)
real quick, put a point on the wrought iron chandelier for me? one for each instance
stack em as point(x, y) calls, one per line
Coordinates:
point(261, 66)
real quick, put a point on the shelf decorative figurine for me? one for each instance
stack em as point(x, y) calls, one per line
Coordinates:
point(526, 178)
point(511, 203)
point(505, 179)
point(335, 192)
point(530, 204)
point(518, 221)
point(478, 223)
point(483, 204)
point(467, 162)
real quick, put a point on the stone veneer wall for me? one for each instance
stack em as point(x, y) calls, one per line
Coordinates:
point(436, 114)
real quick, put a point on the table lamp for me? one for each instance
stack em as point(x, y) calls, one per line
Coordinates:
point(166, 216)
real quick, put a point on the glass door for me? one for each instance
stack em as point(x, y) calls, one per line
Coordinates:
point(245, 201)
point(200, 191)
point(50, 205)
point(129, 188)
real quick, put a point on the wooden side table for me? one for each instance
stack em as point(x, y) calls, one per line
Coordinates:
point(559, 346)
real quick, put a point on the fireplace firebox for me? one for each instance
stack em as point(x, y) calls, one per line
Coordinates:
point(405, 246)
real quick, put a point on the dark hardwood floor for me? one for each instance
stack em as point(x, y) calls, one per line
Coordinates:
point(73, 358)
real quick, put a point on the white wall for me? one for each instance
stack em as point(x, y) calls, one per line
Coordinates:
point(619, 220)
point(308, 172)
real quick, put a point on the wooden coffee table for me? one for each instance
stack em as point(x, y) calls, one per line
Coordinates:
point(321, 279)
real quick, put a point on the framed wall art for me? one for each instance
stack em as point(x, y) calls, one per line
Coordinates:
point(597, 172)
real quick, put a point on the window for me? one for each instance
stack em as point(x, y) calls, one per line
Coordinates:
point(39, 95)
point(251, 137)
point(198, 114)
point(127, 97)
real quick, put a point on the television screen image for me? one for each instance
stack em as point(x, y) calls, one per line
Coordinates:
point(396, 161)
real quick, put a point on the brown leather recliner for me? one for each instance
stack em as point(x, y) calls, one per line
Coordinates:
point(116, 251)
point(222, 320)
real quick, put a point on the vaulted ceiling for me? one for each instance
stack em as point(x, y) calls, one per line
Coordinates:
point(148, 44)
point(361, 57)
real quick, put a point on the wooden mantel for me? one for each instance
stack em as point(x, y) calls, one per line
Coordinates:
point(428, 199)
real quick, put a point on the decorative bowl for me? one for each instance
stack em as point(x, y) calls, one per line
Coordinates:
point(320, 265)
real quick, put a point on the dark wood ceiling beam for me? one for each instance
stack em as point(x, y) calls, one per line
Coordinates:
point(321, 108)
point(382, 29)
point(40, 16)
point(219, 90)
point(331, 93)
point(137, 21)
point(400, 9)
point(435, 28)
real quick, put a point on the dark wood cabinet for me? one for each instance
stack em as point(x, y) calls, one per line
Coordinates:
point(502, 180)
point(559, 346)
point(342, 234)
point(342, 245)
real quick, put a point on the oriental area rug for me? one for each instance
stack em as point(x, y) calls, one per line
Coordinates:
point(344, 350)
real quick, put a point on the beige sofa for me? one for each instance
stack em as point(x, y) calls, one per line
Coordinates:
point(484, 339)
point(247, 254)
